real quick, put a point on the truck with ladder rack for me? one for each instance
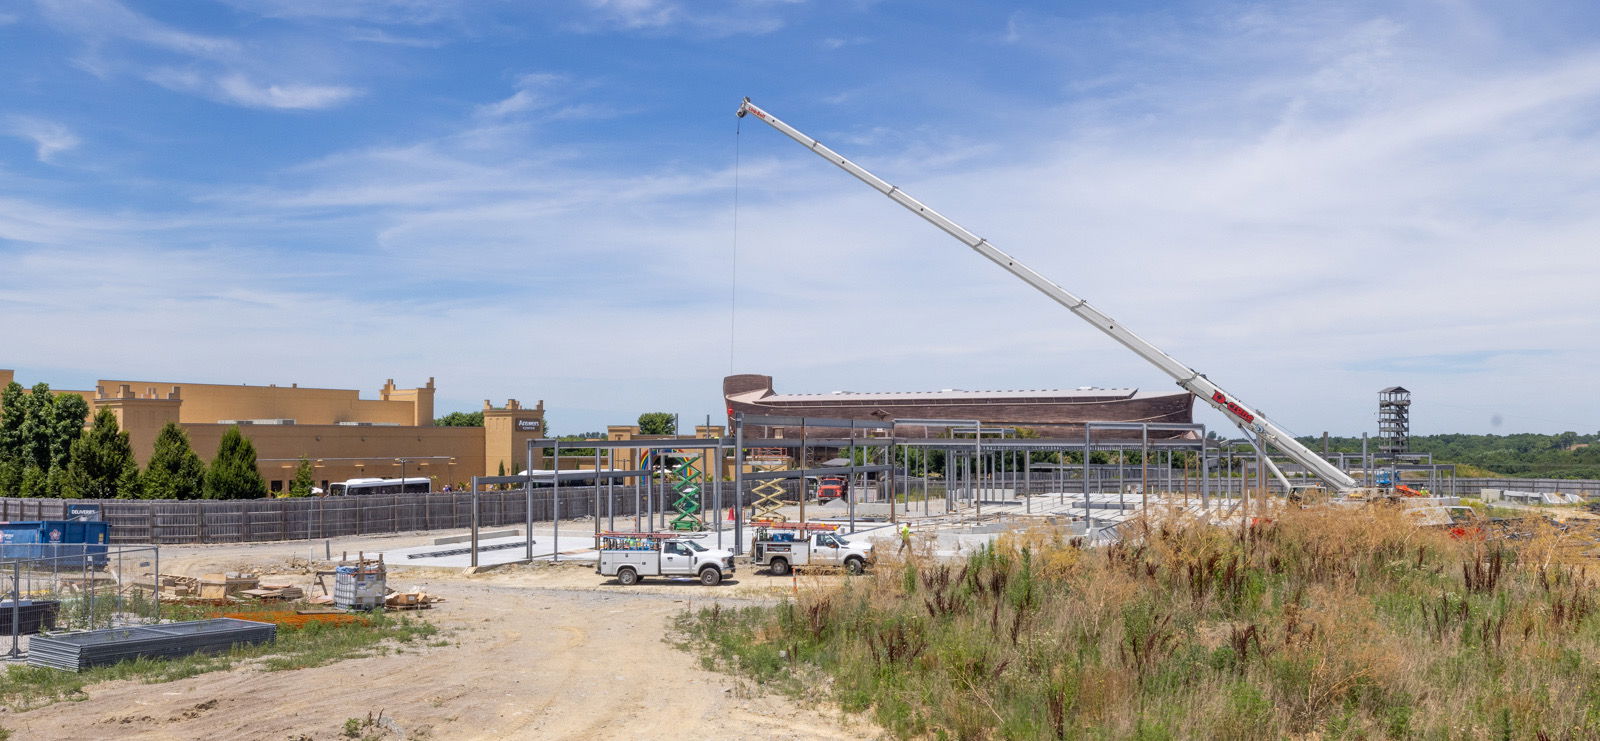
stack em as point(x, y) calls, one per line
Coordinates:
point(630, 557)
point(785, 546)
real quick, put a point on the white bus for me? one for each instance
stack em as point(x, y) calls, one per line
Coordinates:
point(355, 487)
point(544, 478)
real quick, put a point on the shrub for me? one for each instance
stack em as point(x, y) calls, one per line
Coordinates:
point(1312, 623)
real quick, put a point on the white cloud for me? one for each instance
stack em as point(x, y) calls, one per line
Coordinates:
point(534, 90)
point(292, 95)
point(240, 90)
point(635, 14)
point(393, 12)
point(714, 18)
point(379, 36)
point(49, 137)
point(219, 68)
point(1013, 32)
point(107, 19)
point(839, 42)
point(546, 95)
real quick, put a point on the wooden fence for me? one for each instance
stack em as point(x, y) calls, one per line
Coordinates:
point(165, 522)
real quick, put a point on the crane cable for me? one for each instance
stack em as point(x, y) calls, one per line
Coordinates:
point(733, 283)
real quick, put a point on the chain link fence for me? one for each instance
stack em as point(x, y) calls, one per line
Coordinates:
point(68, 587)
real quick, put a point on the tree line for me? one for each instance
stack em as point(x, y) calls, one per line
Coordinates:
point(46, 451)
point(1567, 455)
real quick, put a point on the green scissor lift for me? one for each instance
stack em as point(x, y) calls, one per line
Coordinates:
point(688, 480)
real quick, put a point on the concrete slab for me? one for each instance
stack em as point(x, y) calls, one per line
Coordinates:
point(448, 539)
point(493, 551)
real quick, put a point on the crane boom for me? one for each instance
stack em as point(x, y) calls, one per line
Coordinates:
point(1187, 377)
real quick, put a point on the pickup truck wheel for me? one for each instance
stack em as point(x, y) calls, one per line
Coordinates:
point(627, 577)
point(710, 576)
point(779, 567)
point(854, 565)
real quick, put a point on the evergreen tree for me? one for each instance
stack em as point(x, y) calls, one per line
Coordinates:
point(32, 483)
point(38, 424)
point(10, 478)
point(233, 473)
point(67, 416)
point(303, 479)
point(102, 464)
point(12, 411)
point(175, 471)
point(55, 484)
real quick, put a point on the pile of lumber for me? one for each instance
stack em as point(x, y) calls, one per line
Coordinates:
point(223, 586)
point(274, 592)
point(416, 599)
point(173, 585)
point(231, 586)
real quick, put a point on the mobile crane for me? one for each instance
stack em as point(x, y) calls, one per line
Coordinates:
point(1257, 427)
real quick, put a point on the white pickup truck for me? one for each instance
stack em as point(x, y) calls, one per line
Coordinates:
point(632, 556)
point(783, 547)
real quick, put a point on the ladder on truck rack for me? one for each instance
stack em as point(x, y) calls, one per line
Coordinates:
point(784, 525)
point(615, 541)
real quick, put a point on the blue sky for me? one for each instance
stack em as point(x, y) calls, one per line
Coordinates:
point(1306, 201)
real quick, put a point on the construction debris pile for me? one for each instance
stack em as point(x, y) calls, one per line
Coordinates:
point(232, 585)
point(359, 584)
point(415, 599)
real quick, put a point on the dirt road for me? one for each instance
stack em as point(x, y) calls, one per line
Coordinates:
point(533, 652)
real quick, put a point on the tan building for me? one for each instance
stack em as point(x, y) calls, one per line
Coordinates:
point(343, 435)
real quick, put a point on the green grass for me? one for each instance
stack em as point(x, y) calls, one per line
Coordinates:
point(28, 687)
point(1318, 624)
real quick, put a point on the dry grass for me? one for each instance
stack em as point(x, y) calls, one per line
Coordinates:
point(1314, 624)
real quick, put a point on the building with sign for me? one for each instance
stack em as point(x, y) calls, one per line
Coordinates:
point(344, 435)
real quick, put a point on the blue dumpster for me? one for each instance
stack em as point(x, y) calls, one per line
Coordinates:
point(69, 543)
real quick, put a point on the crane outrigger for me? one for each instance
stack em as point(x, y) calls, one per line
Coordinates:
point(1257, 427)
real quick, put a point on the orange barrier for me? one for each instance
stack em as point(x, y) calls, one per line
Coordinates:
point(292, 619)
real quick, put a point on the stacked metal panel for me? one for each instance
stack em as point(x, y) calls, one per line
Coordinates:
point(77, 651)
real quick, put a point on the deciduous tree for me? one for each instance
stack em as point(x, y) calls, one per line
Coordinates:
point(460, 419)
point(658, 423)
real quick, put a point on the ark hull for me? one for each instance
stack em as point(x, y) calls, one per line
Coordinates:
point(1049, 413)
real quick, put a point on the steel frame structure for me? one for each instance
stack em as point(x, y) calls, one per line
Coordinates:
point(879, 448)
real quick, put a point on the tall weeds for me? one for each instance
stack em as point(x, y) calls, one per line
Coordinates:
point(1314, 624)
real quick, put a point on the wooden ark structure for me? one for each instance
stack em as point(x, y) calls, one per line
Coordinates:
point(1052, 413)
